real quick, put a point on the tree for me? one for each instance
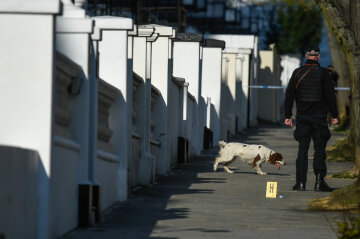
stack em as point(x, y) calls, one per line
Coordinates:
point(341, 67)
point(350, 46)
point(297, 26)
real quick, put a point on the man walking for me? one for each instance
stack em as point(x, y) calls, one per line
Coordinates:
point(333, 75)
point(312, 89)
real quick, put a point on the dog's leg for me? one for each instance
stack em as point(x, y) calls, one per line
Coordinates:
point(258, 169)
point(215, 166)
point(227, 164)
point(227, 169)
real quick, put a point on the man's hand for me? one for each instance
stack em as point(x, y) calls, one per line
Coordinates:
point(289, 122)
point(334, 121)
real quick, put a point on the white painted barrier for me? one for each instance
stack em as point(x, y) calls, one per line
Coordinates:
point(269, 107)
point(240, 69)
point(143, 168)
point(161, 63)
point(113, 156)
point(126, 104)
point(66, 157)
point(211, 89)
point(20, 205)
point(187, 65)
point(26, 100)
point(176, 106)
point(73, 31)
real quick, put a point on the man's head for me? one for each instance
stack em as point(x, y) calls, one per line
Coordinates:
point(330, 68)
point(313, 53)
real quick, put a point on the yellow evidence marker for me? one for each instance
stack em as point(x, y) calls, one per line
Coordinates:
point(271, 189)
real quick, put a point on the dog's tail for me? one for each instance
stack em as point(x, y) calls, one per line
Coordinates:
point(222, 144)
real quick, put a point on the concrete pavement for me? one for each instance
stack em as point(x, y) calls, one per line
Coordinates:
point(194, 202)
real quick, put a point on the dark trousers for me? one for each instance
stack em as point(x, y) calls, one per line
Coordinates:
point(311, 127)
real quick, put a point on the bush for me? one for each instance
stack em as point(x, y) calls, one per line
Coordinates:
point(349, 228)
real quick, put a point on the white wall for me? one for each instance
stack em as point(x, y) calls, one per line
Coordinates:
point(228, 96)
point(190, 123)
point(159, 66)
point(72, 40)
point(64, 189)
point(246, 45)
point(186, 64)
point(76, 47)
point(19, 207)
point(113, 70)
point(211, 85)
point(141, 54)
point(160, 78)
point(174, 118)
point(288, 63)
point(30, 89)
point(27, 86)
point(269, 74)
point(233, 42)
point(245, 90)
point(113, 58)
point(254, 81)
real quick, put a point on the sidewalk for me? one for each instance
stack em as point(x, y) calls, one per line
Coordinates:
point(194, 202)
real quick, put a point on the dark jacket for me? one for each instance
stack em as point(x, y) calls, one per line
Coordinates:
point(315, 93)
point(334, 76)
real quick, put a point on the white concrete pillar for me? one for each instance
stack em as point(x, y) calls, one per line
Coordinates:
point(184, 130)
point(27, 77)
point(211, 82)
point(246, 91)
point(246, 45)
point(93, 104)
point(113, 70)
point(239, 92)
point(72, 40)
point(254, 80)
point(186, 64)
point(161, 61)
point(175, 116)
point(142, 68)
point(147, 97)
point(208, 112)
point(134, 146)
point(73, 30)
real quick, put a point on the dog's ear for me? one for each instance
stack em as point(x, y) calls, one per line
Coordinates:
point(279, 157)
point(275, 157)
point(272, 158)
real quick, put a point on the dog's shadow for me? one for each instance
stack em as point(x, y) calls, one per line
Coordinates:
point(270, 174)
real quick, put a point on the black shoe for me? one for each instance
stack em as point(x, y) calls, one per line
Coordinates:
point(321, 185)
point(299, 187)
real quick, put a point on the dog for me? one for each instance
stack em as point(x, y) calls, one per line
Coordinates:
point(250, 153)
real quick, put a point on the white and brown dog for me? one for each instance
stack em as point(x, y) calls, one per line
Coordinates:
point(250, 153)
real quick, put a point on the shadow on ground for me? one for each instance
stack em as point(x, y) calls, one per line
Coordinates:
point(145, 207)
point(189, 201)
